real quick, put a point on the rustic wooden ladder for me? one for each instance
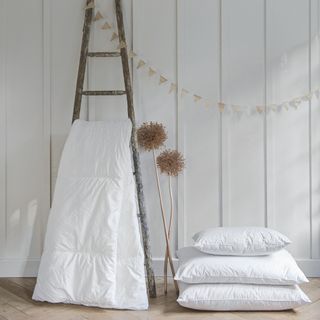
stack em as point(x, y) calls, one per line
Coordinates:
point(123, 53)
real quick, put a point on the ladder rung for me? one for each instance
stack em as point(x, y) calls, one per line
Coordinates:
point(103, 54)
point(104, 93)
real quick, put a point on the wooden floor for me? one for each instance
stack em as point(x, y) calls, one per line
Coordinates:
point(16, 304)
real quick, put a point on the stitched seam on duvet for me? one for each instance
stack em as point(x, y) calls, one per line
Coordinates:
point(116, 270)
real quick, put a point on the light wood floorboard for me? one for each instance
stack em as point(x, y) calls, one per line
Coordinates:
point(16, 304)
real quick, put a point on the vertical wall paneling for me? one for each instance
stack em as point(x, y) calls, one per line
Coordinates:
point(182, 228)
point(106, 73)
point(265, 117)
point(315, 130)
point(198, 71)
point(309, 127)
point(222, 136)
point(46, 127)
point(155, 40)
point(3, 171)
point(243, 83)
point(26, 150)
point(288, 142)
point(241, 169)
point(66, 33)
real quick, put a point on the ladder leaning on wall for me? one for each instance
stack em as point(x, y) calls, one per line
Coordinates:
point(123, 53)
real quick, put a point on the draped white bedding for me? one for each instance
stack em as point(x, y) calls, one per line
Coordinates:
point(93, 254)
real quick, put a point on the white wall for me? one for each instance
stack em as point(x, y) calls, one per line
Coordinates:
point(248, 170)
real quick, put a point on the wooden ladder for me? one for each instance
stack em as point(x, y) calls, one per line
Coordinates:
point(123, 53)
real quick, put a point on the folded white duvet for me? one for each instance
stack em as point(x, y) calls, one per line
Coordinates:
point(93, 254)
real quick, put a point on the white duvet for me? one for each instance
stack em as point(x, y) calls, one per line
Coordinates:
point(93, 254)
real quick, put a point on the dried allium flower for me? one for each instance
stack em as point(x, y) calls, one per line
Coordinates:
point(171, 162)
point(151, 135)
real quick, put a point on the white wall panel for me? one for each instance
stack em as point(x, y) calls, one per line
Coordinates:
point(106, 74)
point(243, 83)
point(288, 132)
point(154, 36)
point(66, 32)
point(2, 126)
point(238, 51)
point(197, 66)
point(315, 129)
point(23, 147)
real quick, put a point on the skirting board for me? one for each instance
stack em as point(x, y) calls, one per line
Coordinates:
point(19, 267)
point(29, 267)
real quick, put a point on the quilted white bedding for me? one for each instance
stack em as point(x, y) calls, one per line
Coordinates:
point(93, 253)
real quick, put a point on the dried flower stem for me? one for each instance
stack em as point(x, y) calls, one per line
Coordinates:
point(165, 269)
point(164, 222)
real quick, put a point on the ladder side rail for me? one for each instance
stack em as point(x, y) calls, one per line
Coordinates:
point(135, 154)
point(82, 61)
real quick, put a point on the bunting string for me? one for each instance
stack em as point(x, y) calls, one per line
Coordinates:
point(142, 63)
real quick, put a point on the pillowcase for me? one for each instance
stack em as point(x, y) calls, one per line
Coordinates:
point(279, 268)
point(227, 297)
point(240, 241)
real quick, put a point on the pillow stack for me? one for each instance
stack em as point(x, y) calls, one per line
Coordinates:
point(239, 269)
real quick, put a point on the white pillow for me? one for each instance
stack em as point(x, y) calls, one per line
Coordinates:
point(278, 268)
point(227, 297)
point(240, 241)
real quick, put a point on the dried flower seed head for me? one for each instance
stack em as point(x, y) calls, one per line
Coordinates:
point(170, 162)
point(151, 135)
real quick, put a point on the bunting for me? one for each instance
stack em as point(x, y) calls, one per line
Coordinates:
point(114, 36)
point(106, 26)
point(132, 54)
point(221, 106)
point(98, 16)
point(121, 45)
point(173, 88)
point(260, 109)
point(90, 5)
point(151, 72)
point(184, 92)
point(162, 80)
point(198, 98)
point(141, 64)
point(207, 103)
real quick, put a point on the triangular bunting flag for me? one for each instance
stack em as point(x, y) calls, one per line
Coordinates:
point(260, 109)
point(114, 36)
point(151, 72)
point(196, 98)
point(305, 98)
point(184, 92)
point(173, 87)
point(121, 45)
point(285, 106)
point(207, 103)
point(90, 5)
point(141, 63)
point(106, 26)
point(98, 16)
point(274, 107)
point(132, 54)
point(162, 80)
point(235, 108)
point(221, 106)
point(295, 103)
